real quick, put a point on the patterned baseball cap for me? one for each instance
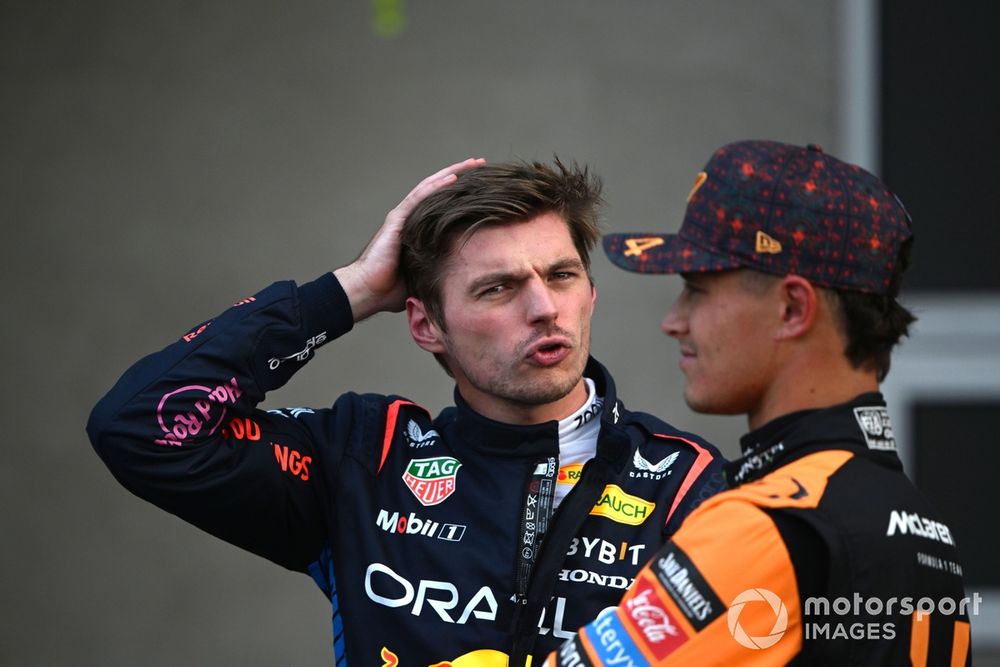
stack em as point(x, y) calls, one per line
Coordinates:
point(779, 209)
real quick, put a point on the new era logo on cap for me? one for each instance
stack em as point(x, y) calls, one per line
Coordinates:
point(766, 244)
point(779, 209)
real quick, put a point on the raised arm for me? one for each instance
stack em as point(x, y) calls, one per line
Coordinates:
point(372, 281)
point(181, 428)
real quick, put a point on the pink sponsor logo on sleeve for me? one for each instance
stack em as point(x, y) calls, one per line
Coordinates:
point(186, 413)
point(188, 337)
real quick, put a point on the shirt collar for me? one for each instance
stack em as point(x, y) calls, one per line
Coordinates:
point(860, 425)
point(500, 439)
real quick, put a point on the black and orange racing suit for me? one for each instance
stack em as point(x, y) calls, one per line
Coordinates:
point(824, 554)
point(425, 533)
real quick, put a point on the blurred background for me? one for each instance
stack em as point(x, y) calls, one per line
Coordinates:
point(159, 161)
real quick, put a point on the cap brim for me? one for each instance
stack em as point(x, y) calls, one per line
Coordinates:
point(662, 253)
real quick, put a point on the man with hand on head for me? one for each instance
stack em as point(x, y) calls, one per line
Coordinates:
point(478, 537)
point(792, 261)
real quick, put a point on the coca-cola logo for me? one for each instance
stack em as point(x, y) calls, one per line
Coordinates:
point(652, 619)
point(647, 614)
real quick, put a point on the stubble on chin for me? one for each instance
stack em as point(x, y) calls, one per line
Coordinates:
point(550, 393)
point(537, 392)
point(549, 386)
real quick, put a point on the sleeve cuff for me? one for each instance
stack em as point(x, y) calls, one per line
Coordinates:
point(325, 306)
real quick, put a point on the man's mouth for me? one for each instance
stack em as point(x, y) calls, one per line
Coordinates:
point(549, 351)
point(687, 357)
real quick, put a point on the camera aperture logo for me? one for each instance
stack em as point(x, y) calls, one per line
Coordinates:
point(757, 642)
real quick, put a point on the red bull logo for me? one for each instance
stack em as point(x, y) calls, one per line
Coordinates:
point(480, 658)
point(389, 659)
point(432, 480)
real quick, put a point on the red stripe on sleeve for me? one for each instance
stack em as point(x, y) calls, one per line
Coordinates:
point(390, 428)
point(699, 465)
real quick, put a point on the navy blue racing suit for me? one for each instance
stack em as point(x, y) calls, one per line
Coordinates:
point(434, 538)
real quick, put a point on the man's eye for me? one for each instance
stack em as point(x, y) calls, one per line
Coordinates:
point(492, 290)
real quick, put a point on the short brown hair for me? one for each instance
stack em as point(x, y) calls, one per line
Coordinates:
point(875, 323)
point(872, 324)
point(494, 194)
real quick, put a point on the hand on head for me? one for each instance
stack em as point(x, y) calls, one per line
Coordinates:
point(372, 281)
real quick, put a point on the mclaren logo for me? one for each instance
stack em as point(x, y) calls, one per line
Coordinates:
point(646, 470)
point(911, 523)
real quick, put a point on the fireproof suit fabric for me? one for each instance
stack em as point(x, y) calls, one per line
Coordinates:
point(820, 556)
point(426, 534)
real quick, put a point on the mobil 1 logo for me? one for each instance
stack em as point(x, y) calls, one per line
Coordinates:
point(411, 524)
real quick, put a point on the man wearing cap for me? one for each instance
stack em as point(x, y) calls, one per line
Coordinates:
point(822, 551)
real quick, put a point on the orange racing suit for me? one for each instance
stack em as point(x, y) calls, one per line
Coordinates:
point(824, 553)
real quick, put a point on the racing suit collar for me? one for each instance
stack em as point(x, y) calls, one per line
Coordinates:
point(860, 426)
point(541, 440)
point(500, 439)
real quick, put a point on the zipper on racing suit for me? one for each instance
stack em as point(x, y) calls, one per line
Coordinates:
point(534, 521)
point(550, 555)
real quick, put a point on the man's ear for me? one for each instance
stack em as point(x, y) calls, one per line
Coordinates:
point(425, 333)
point(799, 304)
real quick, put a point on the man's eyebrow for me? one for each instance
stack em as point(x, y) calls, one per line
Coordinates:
point(566, 263)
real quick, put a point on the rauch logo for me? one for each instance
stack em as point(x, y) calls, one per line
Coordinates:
point(622, 507)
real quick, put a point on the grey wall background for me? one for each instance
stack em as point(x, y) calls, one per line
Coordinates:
point(160, 160)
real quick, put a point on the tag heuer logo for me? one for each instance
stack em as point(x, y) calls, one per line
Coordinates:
point(432, 480)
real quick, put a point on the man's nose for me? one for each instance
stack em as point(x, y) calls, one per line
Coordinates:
point(541, 303)
point(674, 322)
